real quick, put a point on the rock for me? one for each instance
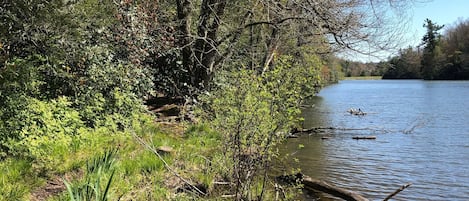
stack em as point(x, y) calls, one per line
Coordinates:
point(164, 150)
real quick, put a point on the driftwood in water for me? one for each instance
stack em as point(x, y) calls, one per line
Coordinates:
point(364, 137)
point(322, 129)
point(310, 130)
point(317, 185)
point(397, 191)
point(321, 186)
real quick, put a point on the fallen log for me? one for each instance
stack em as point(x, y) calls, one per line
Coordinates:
point(321, 186)
point(317, 185)
point(310, 130)
point(364, 137)
point(324, 129)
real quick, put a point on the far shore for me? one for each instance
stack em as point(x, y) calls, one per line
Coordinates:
point(363, 78)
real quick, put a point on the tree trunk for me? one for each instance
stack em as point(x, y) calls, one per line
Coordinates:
point(184, 9)
point(272, 45)
point(206, 46)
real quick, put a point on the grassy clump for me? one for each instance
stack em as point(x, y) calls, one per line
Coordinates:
point(110, 164)
point(15, 180)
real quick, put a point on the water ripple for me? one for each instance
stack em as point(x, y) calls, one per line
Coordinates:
point(433, 154)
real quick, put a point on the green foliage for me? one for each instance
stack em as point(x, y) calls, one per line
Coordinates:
point(89, 191)
point(405, 66)
point(291, 81)
point(74, 42)
point(455, 46)
point(20, 78)
point(21, 176)
point(431, 53)
point(118, 108)
point(318, 70)
point(43, 131)
point(253, 113)
point(443, 56)
point(104, 74)
point(98, 169)
point(67, 49)
point(103, 162)
point(15, 180)
point(17, 82)
point(24, 26)
point(143, 163)
point(73, 73)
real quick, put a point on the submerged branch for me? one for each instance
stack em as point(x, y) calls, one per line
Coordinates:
point(397, 191)
point(322, 129)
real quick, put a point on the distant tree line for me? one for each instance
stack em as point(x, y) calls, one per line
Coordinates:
point(440, 56)
point(358, 68)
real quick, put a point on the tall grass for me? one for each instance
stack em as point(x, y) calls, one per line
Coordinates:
point(97, 170)
point(13, 182)
point(102, 163)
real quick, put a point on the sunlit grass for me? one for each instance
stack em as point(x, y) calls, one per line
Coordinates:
point(13, 182)
point(117, 165)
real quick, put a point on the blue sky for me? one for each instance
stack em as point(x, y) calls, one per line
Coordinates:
point(442, 12)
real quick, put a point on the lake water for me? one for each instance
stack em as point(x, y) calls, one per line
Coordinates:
point(422, 130)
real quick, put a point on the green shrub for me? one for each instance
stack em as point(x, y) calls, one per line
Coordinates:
point(109, 86)
point(44, 131)
point(21, 77)
point(105, 73)
point(253, 113)
point(119, 108)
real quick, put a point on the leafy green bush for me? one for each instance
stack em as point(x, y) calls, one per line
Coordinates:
point(105, 72)
point(253, 113)
point(118, 108)
point(43, 130)
point(21, 77)
point(109, 86)
point(250, 117)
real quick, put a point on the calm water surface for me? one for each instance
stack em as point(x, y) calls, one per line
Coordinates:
point(422, 130)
